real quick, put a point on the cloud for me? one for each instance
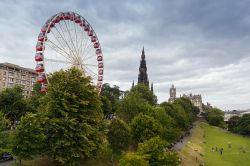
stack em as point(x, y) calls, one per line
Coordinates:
point(200, 46)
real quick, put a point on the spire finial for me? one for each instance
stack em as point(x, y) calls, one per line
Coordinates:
point(143, 53)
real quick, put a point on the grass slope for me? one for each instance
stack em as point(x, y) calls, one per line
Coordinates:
point(205, 137)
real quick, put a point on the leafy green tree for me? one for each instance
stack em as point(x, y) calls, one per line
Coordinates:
point(154, 151)
point(170, 132)
point(29, 139)
point(106, 105)
point(133, 159)
point(71, 125)
point(189, 108)
point(112, 93)
point(215, 117)
point(145, 93)
point(144, 127)
point(181, 117)
point(131, 106)
point(75, 117)
point(12, 103)
point(119, 135)
point(233, 123)
point(243, 126)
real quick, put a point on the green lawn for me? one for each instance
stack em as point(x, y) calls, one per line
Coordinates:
point(231, 156)
point(205, 137)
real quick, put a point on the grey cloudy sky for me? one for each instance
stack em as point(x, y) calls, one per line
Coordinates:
point(200, 46)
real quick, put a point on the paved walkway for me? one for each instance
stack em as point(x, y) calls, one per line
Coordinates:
point(178, 146)
point(7, 163)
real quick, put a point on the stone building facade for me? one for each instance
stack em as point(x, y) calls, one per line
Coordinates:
point(195, 99)
point(11, 74)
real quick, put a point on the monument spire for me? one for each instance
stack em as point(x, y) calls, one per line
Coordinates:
point(143, 76)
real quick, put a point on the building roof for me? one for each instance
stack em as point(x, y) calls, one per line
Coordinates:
point(10, 65)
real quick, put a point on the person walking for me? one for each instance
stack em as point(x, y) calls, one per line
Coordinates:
point(212, 149)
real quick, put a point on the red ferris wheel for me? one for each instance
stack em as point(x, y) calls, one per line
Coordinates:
point(67, 40)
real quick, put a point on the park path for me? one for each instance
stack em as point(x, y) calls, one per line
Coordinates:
point(178, 146)
point(7, 163)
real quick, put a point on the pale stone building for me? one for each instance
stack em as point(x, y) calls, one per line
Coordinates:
point(11, 74)
point(195, 99)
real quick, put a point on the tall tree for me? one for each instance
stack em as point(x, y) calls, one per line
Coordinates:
point(73, 118)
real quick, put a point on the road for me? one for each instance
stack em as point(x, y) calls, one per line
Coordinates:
point(7, 163)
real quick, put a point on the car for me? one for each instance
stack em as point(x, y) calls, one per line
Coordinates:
point(6, 156)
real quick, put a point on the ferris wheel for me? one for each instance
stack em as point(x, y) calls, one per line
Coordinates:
point(67, 40)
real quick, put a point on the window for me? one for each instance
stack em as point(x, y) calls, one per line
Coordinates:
point(23, 77)
point(11, 80)
point(23, 82)
point(4, 73)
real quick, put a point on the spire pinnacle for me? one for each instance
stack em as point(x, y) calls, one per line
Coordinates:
point(143, 53)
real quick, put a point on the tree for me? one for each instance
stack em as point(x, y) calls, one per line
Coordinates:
point(154, 152)
point(106, 105)
point(243, 126)
point(169, 130)
point(119, 135)
point(132, 159)
point(131, 106)
point(12, 103)
point(143, 91)
point(112, 93)
point(144, 127)
point(181, 118)
point(72, 120)
point(233, 123)
point(215, 117)
point(30, 137)
point(189, 108)
point(75, 117)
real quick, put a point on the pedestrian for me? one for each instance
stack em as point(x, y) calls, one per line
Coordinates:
point(221, 151)
point(212, 149)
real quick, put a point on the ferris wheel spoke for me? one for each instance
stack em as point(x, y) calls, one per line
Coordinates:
point(70, 36)
point(76, 40)
point(56, 60)
point(91, 71)
point(56, 38)
point(64, 39)
point(59, 50)
point(90, 65)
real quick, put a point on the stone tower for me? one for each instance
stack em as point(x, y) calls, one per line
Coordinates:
point(143, 76)
point(172, 92)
